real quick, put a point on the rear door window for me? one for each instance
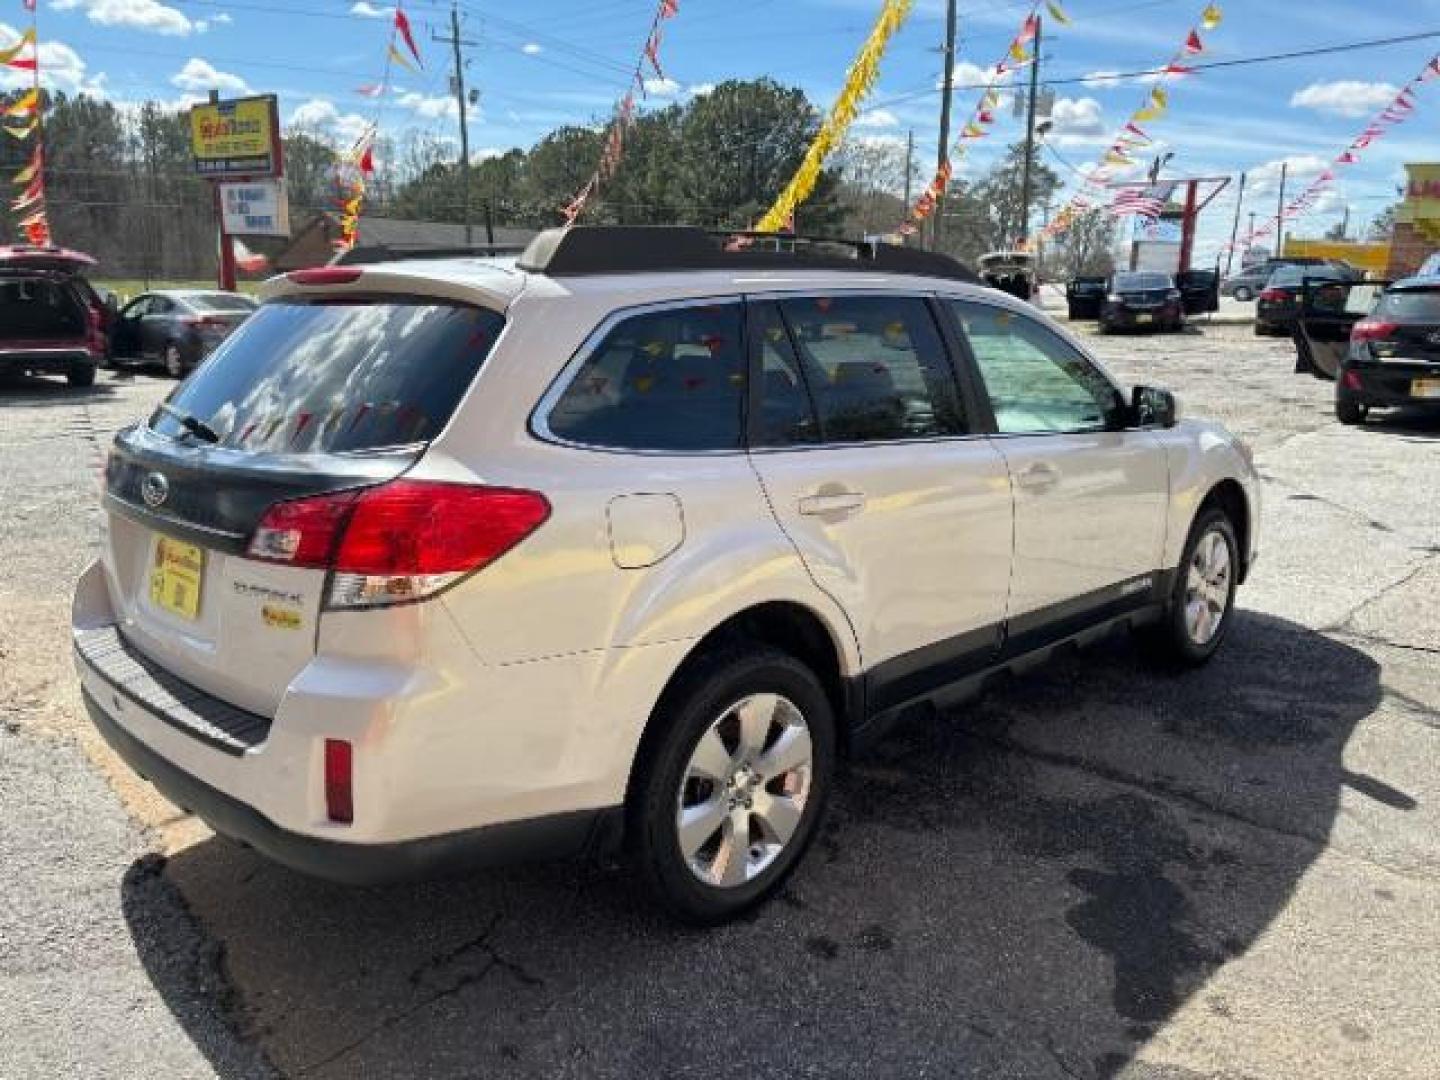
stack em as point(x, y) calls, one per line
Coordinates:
point(875, 365)
point(668, 380)
point(337, 376)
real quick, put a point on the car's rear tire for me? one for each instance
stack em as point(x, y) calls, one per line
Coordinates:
point(81, 374)
point(1349, 411)
point(732, 782)
point(1197, 617)
point(174, 360)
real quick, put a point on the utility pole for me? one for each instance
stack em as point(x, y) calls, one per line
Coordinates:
point(909, 163)
point(1280, 212)
point(943, 155)
point(1025, 177)
point(455, 41)
point(1235, 228)
point(1345, 224)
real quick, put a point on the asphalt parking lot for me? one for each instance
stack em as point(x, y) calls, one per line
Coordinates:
point(1098, 871)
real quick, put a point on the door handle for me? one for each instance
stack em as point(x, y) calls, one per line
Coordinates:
point(1039, 477)
point(838, 502)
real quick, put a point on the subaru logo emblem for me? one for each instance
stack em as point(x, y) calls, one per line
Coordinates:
point(1435, 338)
point(154, 489)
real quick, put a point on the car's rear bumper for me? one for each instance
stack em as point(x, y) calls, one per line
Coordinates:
point(1386, 385)
point(55, 361)
point(552, 837)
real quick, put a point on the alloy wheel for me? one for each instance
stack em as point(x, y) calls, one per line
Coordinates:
point(743, 793)
point(1207, 587)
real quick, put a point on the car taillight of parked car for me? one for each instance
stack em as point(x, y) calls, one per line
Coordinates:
point(208, 326)
point(1368, 330)
point(1276, 295)
point(398, 542)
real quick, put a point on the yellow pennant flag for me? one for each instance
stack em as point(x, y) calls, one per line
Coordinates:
point(25, 175)
point(1211, 17)
point(1114, 157)
point(1147, 114)
point(27, 38)
point(1159, 99)
point(398, 57)
point(25, 105)
point(1017, 52)
point(858, 81)
point(1057, 13)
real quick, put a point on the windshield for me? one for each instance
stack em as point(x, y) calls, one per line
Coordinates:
point(1419, 305)
point(1142, 282)
point(336, 376)
point(219, 302)
point(1292, 276)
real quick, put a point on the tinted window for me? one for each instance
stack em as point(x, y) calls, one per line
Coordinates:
point(1142, 282)
point(665, 380)
point(1036, 381)
point(334, 377)
point(787, 409)
point(1292, 276)
point(875, 366)
point(1417, 304)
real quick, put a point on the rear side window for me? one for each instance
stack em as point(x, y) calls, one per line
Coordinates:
point(670, 380)
point(1420, 304)
point(336, 377)
point(874, 366)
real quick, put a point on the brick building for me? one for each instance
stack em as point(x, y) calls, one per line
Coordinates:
point(1417, 222)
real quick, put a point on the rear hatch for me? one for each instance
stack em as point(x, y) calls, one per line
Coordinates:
point(217, 314)
point(310, 396)
point(1405, 326)
point(41, 305)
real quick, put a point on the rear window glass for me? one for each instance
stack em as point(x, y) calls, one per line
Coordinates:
point(1294, 275)
point(671, 380)
point(1411, 304)
point(334, 377)
point(220, 302)
point(1143, 281)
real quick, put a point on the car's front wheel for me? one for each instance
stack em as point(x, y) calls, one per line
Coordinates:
point(81, 374)
point(1198, 615)
point(1243, 294)
point(174, 360)
point(733, 783)
point(1349, 411)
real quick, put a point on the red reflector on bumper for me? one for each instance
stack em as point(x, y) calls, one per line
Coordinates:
point(339, 794)
point(1351, 381)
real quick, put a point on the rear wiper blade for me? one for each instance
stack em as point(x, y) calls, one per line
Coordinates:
point(194, 425)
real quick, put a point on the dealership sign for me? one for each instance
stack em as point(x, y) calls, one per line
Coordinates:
point(256, 208)
point(239, 138)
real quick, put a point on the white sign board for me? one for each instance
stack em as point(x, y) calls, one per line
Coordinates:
point(258, 208)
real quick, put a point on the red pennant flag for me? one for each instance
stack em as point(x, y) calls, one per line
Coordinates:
point(1193, 44)
point(402, 24)
point(1347, 158)
point(652, 52)
point(1178, 69)
point(669, 8)
point(1028, 30)
point(366, 163)
point(1432, 70)
point(370, 90)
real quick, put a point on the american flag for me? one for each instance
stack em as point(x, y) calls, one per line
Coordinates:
point(1145, 202)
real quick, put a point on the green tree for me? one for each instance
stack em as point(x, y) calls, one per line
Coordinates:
point(1086, 249)
point(998, 200)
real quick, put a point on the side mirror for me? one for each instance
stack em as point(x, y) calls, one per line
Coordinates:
point(1150, 406)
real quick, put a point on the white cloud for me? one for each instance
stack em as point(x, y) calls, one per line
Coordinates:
point(319, 115)
point(222, 19)
point(150, 15)
point(199, 76)
point(1078, 122)
point(61, 68)
point(1301, 169)
point(877, 118)
point(531, 48)
point(430, 108)
point(662, 88)
point(968, 76)
point(1346, 97)
point(1102, 80)
point(701, 89)
point(201, 25)
point(369, 11)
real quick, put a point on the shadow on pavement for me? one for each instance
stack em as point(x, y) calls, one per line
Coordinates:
point(1029, 885)
point(36, 390)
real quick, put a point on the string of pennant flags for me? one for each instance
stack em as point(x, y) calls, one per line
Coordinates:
point(23, 120)
point(858, 82)
point(1018, 54)
point(1400, 109)
point(1132, 137)
point(613, 147)
point(357, 165)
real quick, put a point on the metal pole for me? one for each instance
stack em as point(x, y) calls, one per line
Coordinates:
point(455, 41)
point(1025, 177)
point(1235, 228)
point(909, 163)
point(1280, 212)
point(943, 155)
point(225, 265)
point(1187, 226)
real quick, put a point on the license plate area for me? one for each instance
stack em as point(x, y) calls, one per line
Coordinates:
point(177, 574)
point(1425, 388)
point(1144, 317)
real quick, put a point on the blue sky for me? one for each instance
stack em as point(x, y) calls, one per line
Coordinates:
point(548, 62)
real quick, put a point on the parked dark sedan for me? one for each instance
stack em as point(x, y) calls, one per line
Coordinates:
point(1279, 302)
point(1392, 358)
point(176, 327)
point(1142, 299)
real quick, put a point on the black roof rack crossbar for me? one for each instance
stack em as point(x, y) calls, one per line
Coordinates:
point(621, 249)
point(376, 253)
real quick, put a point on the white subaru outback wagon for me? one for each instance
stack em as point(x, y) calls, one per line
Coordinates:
point(622, 544)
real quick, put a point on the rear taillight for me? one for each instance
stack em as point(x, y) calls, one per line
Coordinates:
point(404, 540)
point(325, 275)
point(1371, 330)
point(207, 324)
point(1276, 295)
point(339, 782)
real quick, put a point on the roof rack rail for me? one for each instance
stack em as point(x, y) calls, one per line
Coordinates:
point(376, 253)
point(623, 249)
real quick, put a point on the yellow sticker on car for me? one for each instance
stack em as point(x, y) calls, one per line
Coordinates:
point(176, 576)
point(280, 618)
